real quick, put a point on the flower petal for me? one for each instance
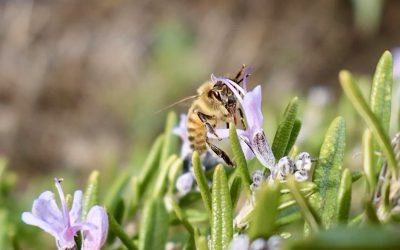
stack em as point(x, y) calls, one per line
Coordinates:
point(30, 219)
point(181, 131)
point(184, 183)
point(262, 149)
point(45, 208)
point(94, 237)
point(75, 213)
point(252, 108)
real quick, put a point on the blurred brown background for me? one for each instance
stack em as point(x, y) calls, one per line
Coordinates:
point(81, 81)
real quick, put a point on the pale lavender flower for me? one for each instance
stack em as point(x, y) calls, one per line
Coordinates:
point(274, 242)
point(239, 242)
point(255, 141)
point(95, 229)
point(259, 244)
point(181, 131)
point(64, 224)
point(396, 63)
point(303, 161)
point(61, 224)
point(184, 183)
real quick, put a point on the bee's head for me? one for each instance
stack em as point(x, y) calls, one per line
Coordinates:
point(222, 94)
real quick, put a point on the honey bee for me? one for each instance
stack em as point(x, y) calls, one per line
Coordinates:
point(214, 104)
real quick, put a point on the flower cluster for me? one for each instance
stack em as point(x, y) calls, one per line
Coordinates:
point(64, 224)
point(299, 168)
point(242, 242)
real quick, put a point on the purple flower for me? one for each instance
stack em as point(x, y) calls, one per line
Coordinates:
point(64, 224)
point(181, 131)
point(95, 228)
point(184, 183)
point(396, 63)
point(253, 139)
point(61, 224)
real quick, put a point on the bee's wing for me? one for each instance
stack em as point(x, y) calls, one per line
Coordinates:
point(178, 102)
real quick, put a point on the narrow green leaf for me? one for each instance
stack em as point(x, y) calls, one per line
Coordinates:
point(154, 226)
point(362, 238)
point(91, 196)
point(151, 164)
point(385, 204)
point(200, 241)
point(168, 146)
point(161, 180)
point(133, 196)
point(368, 156)
point(235, 190)
point(120, 233)
point(221, 222)
point(117, 187)
point(356, 175)
point(173, 174)
point(354, 94)
point(344, 197)
point(284, 131)
point(201, 182)
point(327, 173)
point(293, 136)
point(118, 214)
point(370, 212)
point(288, 215)
point(381, 90)
point(266, 207)
point(179, 214)
point(240, 159)
point(380, 101)
point(3, 229)
point(309, 214)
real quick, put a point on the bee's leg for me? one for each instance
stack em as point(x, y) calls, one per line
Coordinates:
point(220, 153)
point(236, 79)
point(204, 118)
point(242, 117)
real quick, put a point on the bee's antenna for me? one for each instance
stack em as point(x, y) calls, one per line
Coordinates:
point(175, 103)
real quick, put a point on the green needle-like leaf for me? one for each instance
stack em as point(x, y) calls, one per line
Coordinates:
point(179, 214)
point(240, 160)
point(308, 212)
point(344, 197)
point(381, 91)
point(368, 156)
point(133, 196)
point(91, 196)
point(115, 191)
point(221, 221)
point(173, 175)
point(169, 144)
point(284, 131)
point(161, 180)
point(293, 136)
point(151, 164)
point(327, 173)
point(154, 226)
point(354, 94)
point(370, 212)
point(200, 241)
point(345, 238)
point(116, 229)
point(201, 182)
point(266, 207)
point(235, 190)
